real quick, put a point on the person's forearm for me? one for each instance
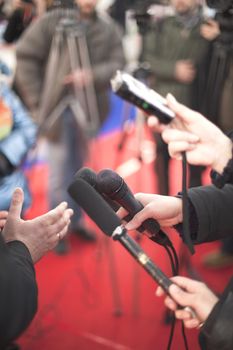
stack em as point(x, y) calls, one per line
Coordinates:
point(226, 154)
point(18, 301)
point(213, 208)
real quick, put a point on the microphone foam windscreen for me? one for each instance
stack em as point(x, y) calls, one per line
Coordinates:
point(109, 181)
point(94, 205)
point(88, 175)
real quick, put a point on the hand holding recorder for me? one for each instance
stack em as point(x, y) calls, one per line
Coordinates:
point(183, 129)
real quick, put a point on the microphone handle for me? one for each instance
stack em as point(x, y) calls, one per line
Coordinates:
point(142, 258)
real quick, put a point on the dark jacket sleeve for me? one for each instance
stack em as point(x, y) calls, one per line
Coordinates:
point(18, 290)
point(213, 208)
point(217, 332)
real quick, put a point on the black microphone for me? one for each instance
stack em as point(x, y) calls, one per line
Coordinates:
point(87, 175)
point(107, 220)
point(110, 224)
point(112, 185)
point(90, 177)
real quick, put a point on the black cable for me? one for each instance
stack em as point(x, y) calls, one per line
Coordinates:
point(174, 273)
point(184, 336)
point(186, 228)
point(173, 323)
point(185, 211)
point(177, 267)
point(172, 262)
point(172, 253)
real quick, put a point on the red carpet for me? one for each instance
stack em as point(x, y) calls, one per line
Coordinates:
point(81, 294)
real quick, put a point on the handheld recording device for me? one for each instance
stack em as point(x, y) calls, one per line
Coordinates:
point(136, 92)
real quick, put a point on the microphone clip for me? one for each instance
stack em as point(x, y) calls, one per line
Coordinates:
point(118, 232)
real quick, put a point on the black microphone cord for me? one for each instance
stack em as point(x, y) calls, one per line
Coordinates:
point(185, 207)
point(171, 252)
point(186, 228)
point(175, 271)
point(173, 324)
point(187, 240)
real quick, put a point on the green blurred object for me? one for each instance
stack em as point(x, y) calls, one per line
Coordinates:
point(218, 259)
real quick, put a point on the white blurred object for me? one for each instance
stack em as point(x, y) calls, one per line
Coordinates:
point(7, 56)
point(103, 5)
point(132, 40)
point(208, 12)
point(160, 11)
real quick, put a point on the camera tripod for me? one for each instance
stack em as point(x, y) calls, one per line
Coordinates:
point(69, 52)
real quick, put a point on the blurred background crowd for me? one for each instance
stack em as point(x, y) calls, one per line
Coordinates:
point(57, 60)
point(197, 69)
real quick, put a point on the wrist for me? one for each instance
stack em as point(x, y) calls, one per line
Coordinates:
point(223, 155)
point(220, 175)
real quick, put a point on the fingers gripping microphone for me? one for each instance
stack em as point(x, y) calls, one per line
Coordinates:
point(113, 186)
point(90, 177)
point(106, 219)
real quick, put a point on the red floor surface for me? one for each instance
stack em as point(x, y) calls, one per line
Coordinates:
point(97, 297)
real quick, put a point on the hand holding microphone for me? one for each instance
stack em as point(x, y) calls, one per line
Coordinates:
point(106, 219)
point(116, 193)
point(185, 291)
point(114, 187)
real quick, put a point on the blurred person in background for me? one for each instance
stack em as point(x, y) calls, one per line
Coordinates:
point(66, 149)
point(2, 12)
point(22, 243)
point(118, 10)
point(42, 6)
point(17, 136)
point(175, 50)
